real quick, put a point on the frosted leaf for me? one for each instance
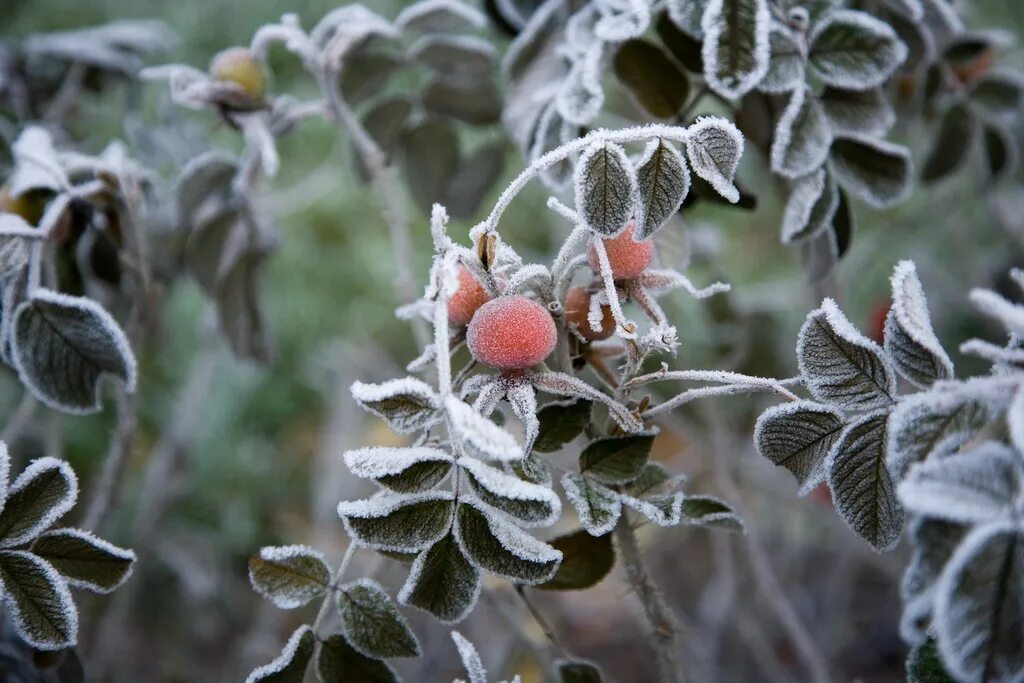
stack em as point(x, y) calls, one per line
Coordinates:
point(581, 96)
point(339, 661)
point(862, 490)
point(64, 345)
point(879, 172)
point(979, 485)
point(42, 494)
point(485, 437)
point(662, 510)
point(841, 366)
point(586, 561)
point(979, 605)
point(854, 50)
point(37, 601)
point(440, 16)
point(803, 136)
point(798, 436)
point(735, 48)
point(402, 523)
point(954, 140)
point(530, 504)
point(606, 188)
point(864, 112)
point(712, 512)
point(1000, 94)
point(84, 560)
point(373, 626)
point(910, 341)
point(407, 404)
point(290, 665)
point(813, 201)
point(926, 422)
point(579, 671)
point(1009, 315)
point(663, 179)
point(714, 147)
point(560, 423)
point(289, 576)
point(1015, 420)
point(523, 400)
point(622, 20)
point(400, 469)
point(597, 507)
point(551, 133)
point(342, 30)
point(15, 240)
point(687, 15)
point(616, 459)
point(36, 165)
point(443, 582)
point(470, 659)
point(497, 546)
point(934, 543)
point(561, 384)
point(786, 66)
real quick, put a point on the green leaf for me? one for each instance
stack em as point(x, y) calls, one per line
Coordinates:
point(290, 666)
point(843, 225)
point(430, 156)
point(803, 136)
point(339, 662)
point(658, 84)
point(999, 94)
point(853, 50)
point(812, 203)
point(710, 512)
point(560, 423)
point(475, 178)
point(925, 666)
point(402, 523)
point(478, 104)
point(384, 122)
point(878, 172)
point(664, 180)
point(373, 625)
point(533, 468)
point(460, 58)
point(616, 459)
point(84, 560)
point(598, 507)
point(62, 347)
point(289, 576)
point(654, 479)
point(442, 581)
point(736, 50)
point(786, 68)
point(530, 504)
point(37, 601)
point(503, 549)
point(586, 560)
point(365, 74)
point(1001, 153)
point(605, 186)
point(41, 495)
point(956, 135)
point(685, 48)
point(578, 672)
point(864, 112)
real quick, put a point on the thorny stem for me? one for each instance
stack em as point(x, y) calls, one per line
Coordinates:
point(664, 628)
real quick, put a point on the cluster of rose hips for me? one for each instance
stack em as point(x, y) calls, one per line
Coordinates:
point(514, 332)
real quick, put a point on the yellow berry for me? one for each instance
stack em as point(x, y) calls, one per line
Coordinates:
point(237, 65)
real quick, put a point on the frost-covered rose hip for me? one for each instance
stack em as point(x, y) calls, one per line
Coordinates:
point(577, 308)
point(237, 65)
point(470, 296)
point(511, 333)
point(627, 257)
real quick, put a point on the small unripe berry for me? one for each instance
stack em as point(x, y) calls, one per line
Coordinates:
point(470, 296)
point(627, 257)
point(577, 308)
point(511, 333)
point(29, 205)
point(237, 65)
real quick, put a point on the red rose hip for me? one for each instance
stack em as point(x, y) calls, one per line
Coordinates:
point(628, 258)
point(470, 296)
point(511, 333)
point(577, 308)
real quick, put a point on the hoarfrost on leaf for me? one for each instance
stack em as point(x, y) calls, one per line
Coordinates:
point(928, 422)
point(736, 46)
point(290, 665)
point(530, 504)
point(485, 437)
point(714, 147)
point(37, 601)
point(373, 625)
point(407, 404)
point(877, 171)
point(606, 188)
point(84, 560)
point(443, 582)
point(499, 547)
point(803, 136)
point(289, 576)
point(854, 50)
point(863, 112)
point(786, 67)
point(663, 179)
point(812, 204)
point(402, 523)
point(910, 340)
point(42, 494)
point(798, 436)
point(597, 507)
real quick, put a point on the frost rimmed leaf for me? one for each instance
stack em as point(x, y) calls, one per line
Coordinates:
point(736, 49)
point(405, 523)
point(486, 438)
point(499, 547)
point(687, 15)
point(841, 366)
point(952, 144)
point(910, 341)
point(854, 50)
point(864, 112)
point(862, 490)
point(586, 560)
point(470, 659)
point(1000, 94)
point(708, 511)
point(339, 661)
point(616, 459)
point(934, 543)
point(606, 188)
point(37, 601)
point(289, 576)
point(63, 345)
point(879, 172)
point(811, 206)
point(523, 400)
point(980, 485)
point(786, 66)
point(578, 671)
point(440, 16)
point(924, 665)
point(36, 164)
point(405, 470)
point(372, 624)
point(714, 147)
point(443, 582)
point(530, 504)
point(42, 494)
point(802, 137)
point(979, 605)
point(597, 507)
point(928, 422)
point(290, 666)
point(84, 560)
point(407, 405)
point(663, 179)
point(560, 423)
point(15, 236)
point(798, 436)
